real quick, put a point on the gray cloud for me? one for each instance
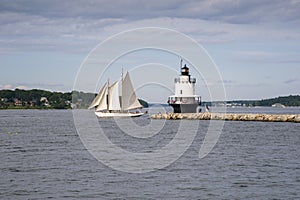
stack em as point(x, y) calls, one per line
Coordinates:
point(78, 25)
point(231, 11)
point(291, 81)
point(28, 86)
point(226, 81)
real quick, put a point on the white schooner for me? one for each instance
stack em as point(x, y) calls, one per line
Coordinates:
point(109, 103)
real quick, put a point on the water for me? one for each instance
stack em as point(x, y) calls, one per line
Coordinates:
point(41, 156)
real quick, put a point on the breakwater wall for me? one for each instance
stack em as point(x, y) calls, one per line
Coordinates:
point(230, 117)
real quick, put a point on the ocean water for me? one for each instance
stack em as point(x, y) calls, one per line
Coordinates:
point(42, 156)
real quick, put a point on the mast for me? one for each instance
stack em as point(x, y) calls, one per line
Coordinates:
point(107, 97)
point(122, 90)
point(180, 64)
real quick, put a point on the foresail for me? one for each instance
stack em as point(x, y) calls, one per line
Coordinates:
point(113, 100)
point(98, 98)
point(129, 99)
point(103, 101)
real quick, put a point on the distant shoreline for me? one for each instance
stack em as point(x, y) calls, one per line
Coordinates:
point(45, 100)
point(150, 105)
point(36, 109)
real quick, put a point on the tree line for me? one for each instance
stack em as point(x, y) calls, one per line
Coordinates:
point(38, 99)
point(42, 99)
point(291, 100)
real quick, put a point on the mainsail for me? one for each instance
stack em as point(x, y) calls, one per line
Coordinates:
point(113, 97)
point(129, 99)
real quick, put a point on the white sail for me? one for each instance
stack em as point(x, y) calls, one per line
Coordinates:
point(113, 97)
point(129, 99)
point(98, 98)
point(103, 101)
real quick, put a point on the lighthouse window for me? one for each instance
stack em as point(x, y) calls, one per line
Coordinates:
point(180, 91)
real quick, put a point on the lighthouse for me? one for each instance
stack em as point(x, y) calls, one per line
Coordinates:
point(184, 100)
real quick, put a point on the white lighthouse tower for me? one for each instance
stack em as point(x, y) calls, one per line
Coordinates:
point(184, 100)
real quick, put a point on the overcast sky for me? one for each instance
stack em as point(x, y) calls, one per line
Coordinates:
point(255, 44)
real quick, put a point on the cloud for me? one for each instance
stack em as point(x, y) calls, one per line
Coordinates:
point(41, 84)
point(22, 87)
point(13, 86)
point(268, 56)
point(28, 86)
point(79, 25)
point(81, 35)
point(290, 81)
point(226, 82)
point(231, 11)
point(7, 87)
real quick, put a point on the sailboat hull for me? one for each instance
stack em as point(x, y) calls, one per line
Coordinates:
point(109, 115)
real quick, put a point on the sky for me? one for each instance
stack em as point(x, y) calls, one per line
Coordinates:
point(255, 45)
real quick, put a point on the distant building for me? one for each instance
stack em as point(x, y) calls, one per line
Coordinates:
point(4, 99)
point(278, 105)
point(73, 106)
point(32, 103)
point(18, 102)
point(44, 101)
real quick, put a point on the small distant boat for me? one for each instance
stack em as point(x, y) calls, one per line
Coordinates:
point(109, 103)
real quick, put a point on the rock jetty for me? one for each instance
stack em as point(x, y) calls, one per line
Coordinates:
point(230, 117)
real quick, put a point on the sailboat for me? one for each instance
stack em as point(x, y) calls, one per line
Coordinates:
point(109, 103)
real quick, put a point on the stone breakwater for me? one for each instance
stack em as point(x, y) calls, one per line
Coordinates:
point(230, 117)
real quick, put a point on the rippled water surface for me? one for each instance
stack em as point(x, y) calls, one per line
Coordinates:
point(41, 156)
